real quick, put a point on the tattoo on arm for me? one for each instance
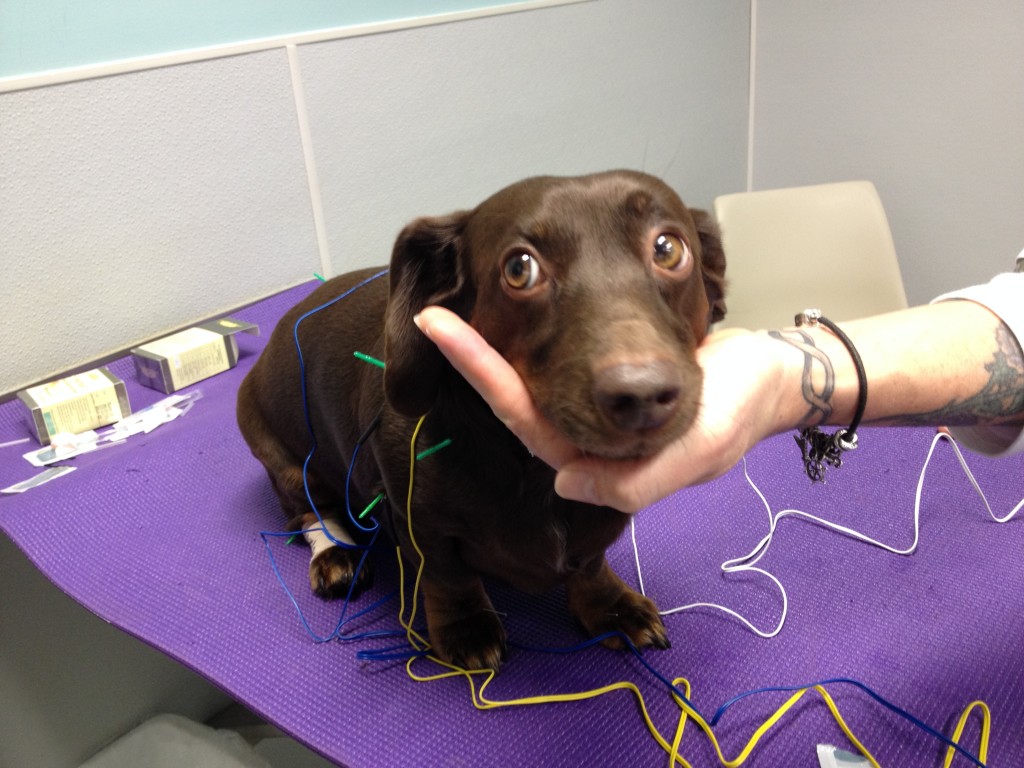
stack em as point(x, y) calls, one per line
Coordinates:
point(1001, 399)
point(819, 399)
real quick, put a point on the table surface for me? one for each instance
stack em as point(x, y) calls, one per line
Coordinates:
point(161, 537)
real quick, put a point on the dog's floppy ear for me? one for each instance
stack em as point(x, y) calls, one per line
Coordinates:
point(712, 263)
point(426, 268)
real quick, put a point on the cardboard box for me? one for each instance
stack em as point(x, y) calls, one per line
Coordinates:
point(197, 353)
point(76, 403)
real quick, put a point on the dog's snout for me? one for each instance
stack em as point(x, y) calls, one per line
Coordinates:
point(638, 396)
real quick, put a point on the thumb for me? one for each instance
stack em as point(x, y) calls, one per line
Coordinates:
point(615, 484)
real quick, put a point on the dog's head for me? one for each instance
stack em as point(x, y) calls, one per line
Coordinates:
point(597, 289)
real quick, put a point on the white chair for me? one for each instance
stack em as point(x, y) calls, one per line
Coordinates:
point(826, 246)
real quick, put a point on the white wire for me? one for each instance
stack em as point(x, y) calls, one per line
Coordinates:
point(970, 476)
point(747, 562)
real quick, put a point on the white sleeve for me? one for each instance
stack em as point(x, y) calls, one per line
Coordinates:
point(1004, 296)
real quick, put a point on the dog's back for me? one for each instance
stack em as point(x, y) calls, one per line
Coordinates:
point(308, 374)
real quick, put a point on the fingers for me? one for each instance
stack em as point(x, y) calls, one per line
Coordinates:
point(630, 486)
point(499, 384)
point(734, 414)
point(589, 482)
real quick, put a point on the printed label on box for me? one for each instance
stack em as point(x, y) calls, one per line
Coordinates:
point(193, 355)
point(76, 403)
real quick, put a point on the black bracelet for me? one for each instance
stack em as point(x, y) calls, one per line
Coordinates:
point(817, 448)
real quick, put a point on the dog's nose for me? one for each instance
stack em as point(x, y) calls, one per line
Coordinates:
point(637, 397)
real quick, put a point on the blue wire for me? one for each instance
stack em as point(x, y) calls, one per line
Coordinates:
point(336, 633)
point(375, 529)
point(857, 684)
point(373, 606)
point(305, 406)
point(777, 689)
point(402, 652)
point(298, 347)
point(348, 503)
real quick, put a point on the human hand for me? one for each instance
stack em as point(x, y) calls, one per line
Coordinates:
point(498, 383)
point(739, 407)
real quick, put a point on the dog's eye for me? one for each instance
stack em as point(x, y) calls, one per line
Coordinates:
point(521, 271)
point(670, 252)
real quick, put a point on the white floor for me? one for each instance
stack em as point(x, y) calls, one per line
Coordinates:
point(232, 739)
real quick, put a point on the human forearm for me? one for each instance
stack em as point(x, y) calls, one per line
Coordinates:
point(952, 363)
point(949, 363)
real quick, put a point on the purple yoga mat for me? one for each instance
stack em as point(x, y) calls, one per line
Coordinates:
point(161, 537)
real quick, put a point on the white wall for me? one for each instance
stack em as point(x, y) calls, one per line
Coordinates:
point(925, 99)
point(132, 205)
point(136, 204)
point(439, 118)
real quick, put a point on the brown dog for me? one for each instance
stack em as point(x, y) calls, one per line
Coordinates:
point(597, 290)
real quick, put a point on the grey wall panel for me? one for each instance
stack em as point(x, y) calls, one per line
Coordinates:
point(134, 204)
point(426, 121)
point(924, 99)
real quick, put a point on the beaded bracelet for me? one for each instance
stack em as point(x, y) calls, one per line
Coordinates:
point(819, 449)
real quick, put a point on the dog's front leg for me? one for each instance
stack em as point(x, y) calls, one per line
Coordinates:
point(463, 626)
point(602, 602)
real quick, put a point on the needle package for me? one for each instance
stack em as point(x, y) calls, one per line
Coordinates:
point(76, 403)
point(191, 355)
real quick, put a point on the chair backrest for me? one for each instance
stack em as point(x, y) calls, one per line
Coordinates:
point(826, 246)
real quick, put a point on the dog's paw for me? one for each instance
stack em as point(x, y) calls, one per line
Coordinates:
point(474, 642)
point(632, 614)
point(332, 572)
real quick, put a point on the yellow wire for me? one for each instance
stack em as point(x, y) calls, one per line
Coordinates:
point(481, 702)
point(673, 753)
point(415, 640)
point(986, 726)
point(767, 725)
